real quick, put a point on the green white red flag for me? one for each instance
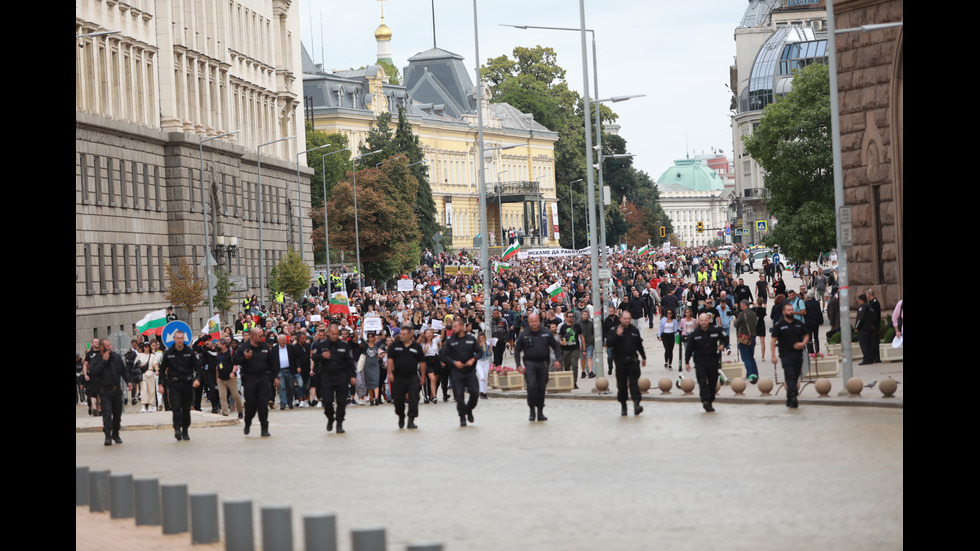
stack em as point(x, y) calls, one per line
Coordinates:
point(512, 250)
point(555, 292)
point(152, 323)
point(339, 303)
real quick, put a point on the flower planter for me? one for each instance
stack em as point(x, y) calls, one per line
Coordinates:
point(889, 354)
point(733, 370)
point(560, 381)
point(828, 366)
point(511, 381)
point(492, 381)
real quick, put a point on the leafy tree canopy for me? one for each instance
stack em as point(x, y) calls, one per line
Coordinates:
point(793, 145)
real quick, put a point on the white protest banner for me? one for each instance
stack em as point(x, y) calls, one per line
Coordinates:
point(372, 323)
point(437, 325)
point(405, 285)
point(315, 318)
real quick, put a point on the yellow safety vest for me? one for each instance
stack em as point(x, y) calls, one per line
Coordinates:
point(702, 276)
point(279, 298)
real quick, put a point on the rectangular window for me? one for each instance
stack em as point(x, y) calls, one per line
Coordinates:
point(125, 274)
point(123, 191)
point(114, 269)
point(160, 268)
point(87, 252)
point(146, 186)
point(98, 179)
point(158, 188)
point(110, 181)
point(134, 178)
point(103, 286)
point(149, 269)
point(224, 195)
point(137, 256)
point(194, 189)
point(83, 166)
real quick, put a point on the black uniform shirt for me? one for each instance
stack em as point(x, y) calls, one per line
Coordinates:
point(180, 366)
point(535, 346)
point(788, 333)
point(406, 359)
point(341, 357)
point(259, 364)
point(462, 349)
point(107, 374)
point(703, 345)
point(627, 345)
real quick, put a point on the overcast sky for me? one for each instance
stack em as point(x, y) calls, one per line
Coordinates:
point(678, 53)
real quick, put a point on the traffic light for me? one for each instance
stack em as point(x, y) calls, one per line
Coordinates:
point(700, 227)
point(663, 231)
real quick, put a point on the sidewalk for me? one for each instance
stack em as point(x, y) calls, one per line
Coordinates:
point(98, 532)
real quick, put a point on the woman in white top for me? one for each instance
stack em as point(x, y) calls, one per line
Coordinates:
point(669, 326)
point(430, 346)
point(687, 326)
point(483, 364)
point(148, 363)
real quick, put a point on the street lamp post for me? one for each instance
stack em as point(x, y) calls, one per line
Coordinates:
point(357, 235)
point(261, 248)
point(204, 204)
point(326, 230)
point(571, 209)
point(299, 197)
point(500, 207)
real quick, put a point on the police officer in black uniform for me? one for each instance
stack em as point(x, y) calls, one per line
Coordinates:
point(791, 336)
point(406, 364)
point(461, 352)
point(180, 373)
point(105, 370)
point(337, 373)
point(626, 342)
point(535, 343)
point(257, 378)
point(705, 343)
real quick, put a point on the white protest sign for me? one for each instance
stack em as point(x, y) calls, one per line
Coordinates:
point(405, 285)
point(372, 323)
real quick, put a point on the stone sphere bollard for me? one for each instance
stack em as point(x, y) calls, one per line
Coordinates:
point(823, 387)
point(665, 385)
point(602, 384)
point(644, 384)
point(854, 386)
point(765, 386)
point(888, 387)
point(738, 386)
point(687, 385)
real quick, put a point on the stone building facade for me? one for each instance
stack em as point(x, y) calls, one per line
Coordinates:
point(870, 80)
point(175, 73)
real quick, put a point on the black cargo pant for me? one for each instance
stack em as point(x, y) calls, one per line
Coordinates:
point(258, 391)
point(536, 376)
point(707, 375)
point(399, 388)
point(465, 381)
point(628, 379)
point(181, 393)
point(111, 398)
point(334, 387)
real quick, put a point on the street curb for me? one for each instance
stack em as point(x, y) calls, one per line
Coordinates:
point(888, 403)
point(160, 426)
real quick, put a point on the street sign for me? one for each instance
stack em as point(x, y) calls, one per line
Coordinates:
point(728, 230)
point(173, 327)
point(846, 235)
point(605, 273)
point(761, 225)
point(120, 341)
point(239, 283)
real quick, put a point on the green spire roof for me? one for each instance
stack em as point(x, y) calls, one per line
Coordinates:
point(692, 174)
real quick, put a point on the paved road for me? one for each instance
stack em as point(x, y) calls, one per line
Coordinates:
point(751, 476)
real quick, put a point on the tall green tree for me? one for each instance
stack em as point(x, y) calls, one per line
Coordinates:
point(404, 142)
point(329, 170)
point(389, 235)
point(793, 145)
point(293, 276)
point(533, 82)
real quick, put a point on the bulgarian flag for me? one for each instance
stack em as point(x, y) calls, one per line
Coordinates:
point(642, 250)
point(555, 292)
point(512, 250)
point(152, 323)
point(213, 328)
point(339, 303)
point(499, 267)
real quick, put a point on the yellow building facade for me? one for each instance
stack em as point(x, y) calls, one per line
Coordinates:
point(437, 97)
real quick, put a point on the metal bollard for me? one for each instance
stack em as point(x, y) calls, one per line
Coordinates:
point(239, 529)
point(368, 539)
point(424, 547)
point(204, 518)
point(174, 508)
point(320, 532)
point(81, 486)
point(121, 496)
point(147, 491)
point(98, 491)
point(277, 529)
